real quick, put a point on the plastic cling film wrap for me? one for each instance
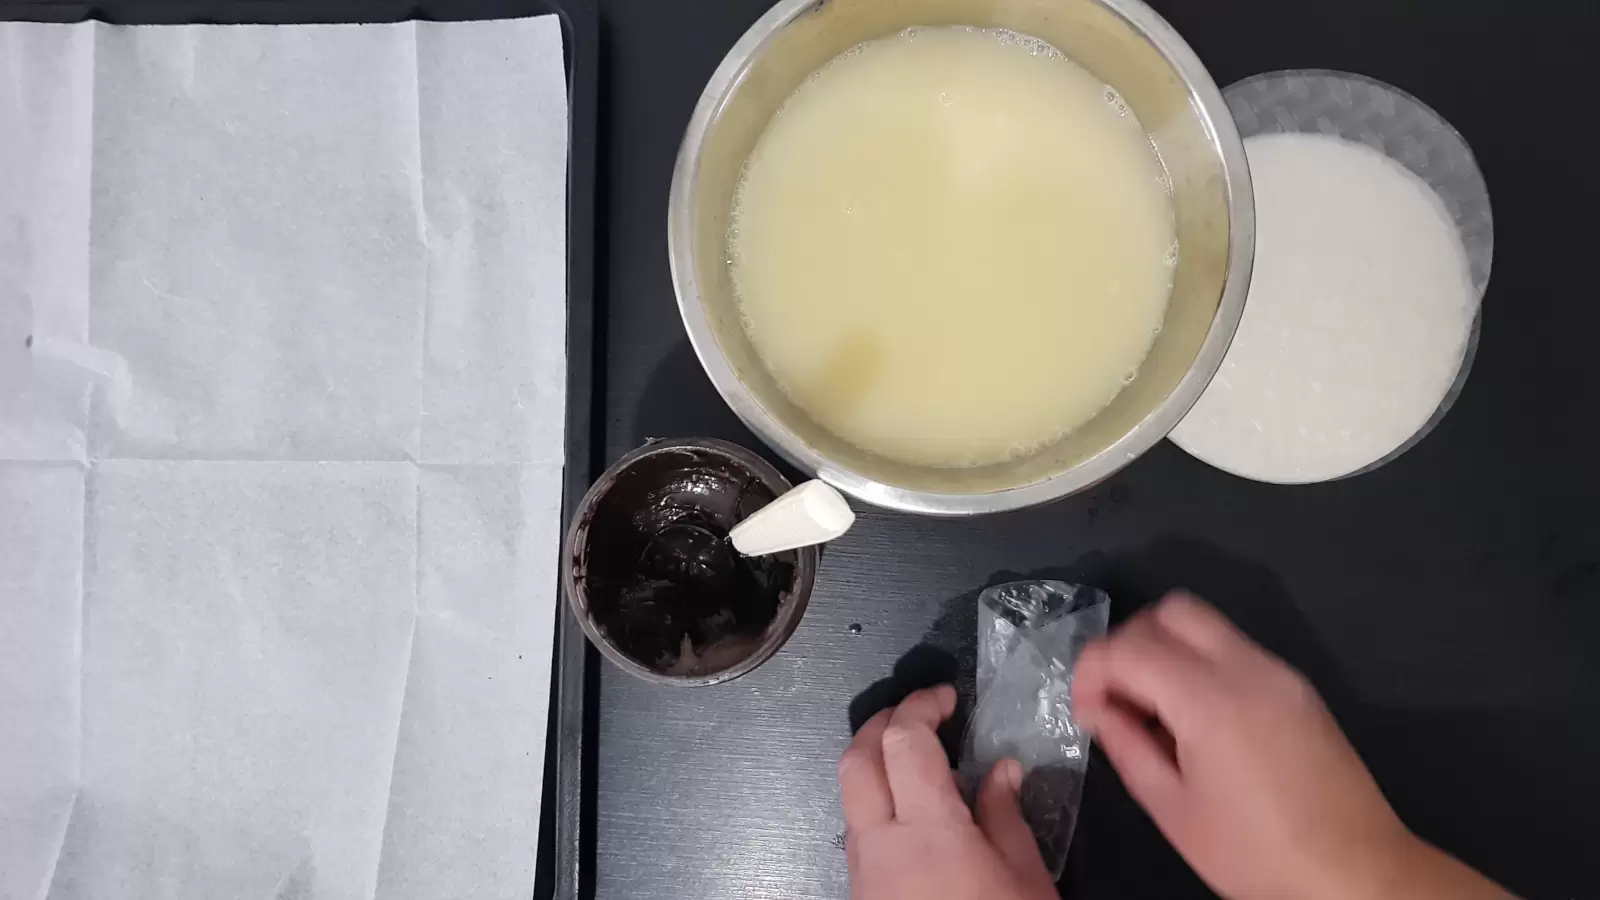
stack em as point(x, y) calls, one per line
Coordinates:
point(1030, 634)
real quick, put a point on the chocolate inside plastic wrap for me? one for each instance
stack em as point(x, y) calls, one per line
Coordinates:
point(1030, 634)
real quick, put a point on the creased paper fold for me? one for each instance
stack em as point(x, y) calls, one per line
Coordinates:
point(282, 385)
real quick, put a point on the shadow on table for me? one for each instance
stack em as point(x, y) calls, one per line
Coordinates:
point(1247, 593)
point(1447, 773)
point(681, 402)
point(1114, 843)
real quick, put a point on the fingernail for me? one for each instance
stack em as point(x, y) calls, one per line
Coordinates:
point(1012, 773)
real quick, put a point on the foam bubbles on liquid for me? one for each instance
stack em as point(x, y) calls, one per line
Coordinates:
point(735, 215)
point(809, 80)
point(1115, 101)
point(1005, 37)
point(1024, 449)
point(1033, 45)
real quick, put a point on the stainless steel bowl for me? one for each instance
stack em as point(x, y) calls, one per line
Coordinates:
point(1123, 43)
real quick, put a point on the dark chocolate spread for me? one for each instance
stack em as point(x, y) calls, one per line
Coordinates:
point(663, 582)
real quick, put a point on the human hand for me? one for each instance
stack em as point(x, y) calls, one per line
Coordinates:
point(1240, 764)
point(910, 834)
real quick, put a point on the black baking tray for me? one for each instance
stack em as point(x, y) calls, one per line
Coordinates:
point(564, 843)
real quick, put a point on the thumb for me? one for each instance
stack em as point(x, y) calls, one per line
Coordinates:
point(1000, 818)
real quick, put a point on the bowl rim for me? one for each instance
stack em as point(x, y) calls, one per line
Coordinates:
point(1206, 99)
point(576, 595)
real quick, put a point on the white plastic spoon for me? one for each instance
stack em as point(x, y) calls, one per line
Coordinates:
point(812, 513)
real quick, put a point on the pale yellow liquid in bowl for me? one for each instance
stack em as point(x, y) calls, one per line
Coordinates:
point(952, 247)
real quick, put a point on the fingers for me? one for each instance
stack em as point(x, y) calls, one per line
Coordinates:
point(1146, 669)
point(1199, 625)
point(1142, 665)
point(928, 707)
point(1000, 819)
point(1142, 760)
point(1162, 663)
point(863, 783)
point(920, 779)
point(896, 768)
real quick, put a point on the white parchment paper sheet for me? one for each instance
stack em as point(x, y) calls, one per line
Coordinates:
point(282, 385)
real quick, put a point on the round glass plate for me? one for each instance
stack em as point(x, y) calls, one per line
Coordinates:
point(1383, 117)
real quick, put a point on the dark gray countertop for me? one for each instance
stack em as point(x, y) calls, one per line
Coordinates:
point(1448, 604)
